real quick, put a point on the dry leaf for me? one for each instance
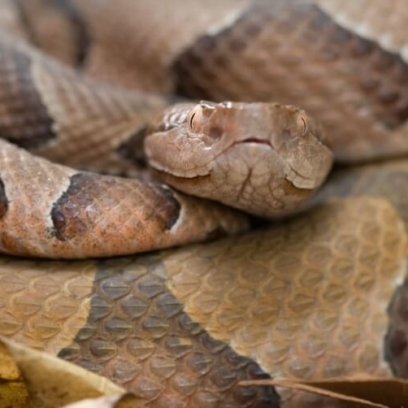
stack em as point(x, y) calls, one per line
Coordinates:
point(36, 379)
point(13, 394)
point(117, 401)
point(8, 368)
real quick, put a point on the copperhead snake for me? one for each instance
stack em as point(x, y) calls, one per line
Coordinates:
point(321, 295)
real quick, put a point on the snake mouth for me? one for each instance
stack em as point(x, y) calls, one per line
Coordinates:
point(255, 140)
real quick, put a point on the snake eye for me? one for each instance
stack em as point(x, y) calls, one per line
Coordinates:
point(303, 124)
point(192, 120)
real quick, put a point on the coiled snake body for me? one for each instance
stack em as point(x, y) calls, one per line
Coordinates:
point(318, 296)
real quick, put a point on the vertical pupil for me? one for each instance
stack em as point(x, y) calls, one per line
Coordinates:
point(191, 119)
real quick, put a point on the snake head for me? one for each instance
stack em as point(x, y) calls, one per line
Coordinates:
point(267, 153)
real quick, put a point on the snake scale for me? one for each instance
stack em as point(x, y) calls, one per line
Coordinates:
point(91, 85)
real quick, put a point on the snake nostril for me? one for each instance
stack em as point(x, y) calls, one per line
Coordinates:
point(286, 133)
point(215, 132)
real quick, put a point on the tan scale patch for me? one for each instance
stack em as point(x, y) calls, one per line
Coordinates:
point(91, 119)
point(150, 56)
point(10, 20)
point(382, 21)
point(24, 119)
point(307, 300)
point(54, 27)
point(44, 307)
point(387, 179)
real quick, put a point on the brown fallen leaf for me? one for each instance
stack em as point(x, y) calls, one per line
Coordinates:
point(13, 394)
point(117, 401)
point(8, 368)
point(30, 378)
point(369, 392)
